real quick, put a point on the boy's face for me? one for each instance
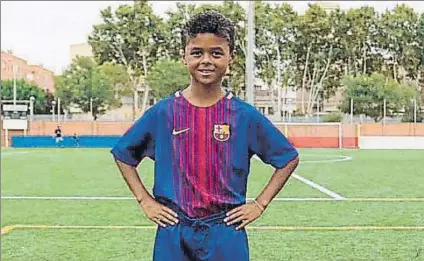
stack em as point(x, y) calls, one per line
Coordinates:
point(207, 57)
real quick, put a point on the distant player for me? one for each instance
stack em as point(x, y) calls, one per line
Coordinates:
point(202, 140)
point(58, 133)
point(75, 139)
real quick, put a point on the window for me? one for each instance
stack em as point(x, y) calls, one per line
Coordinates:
point(152, 102)
point(270, 111)
point(3, 65)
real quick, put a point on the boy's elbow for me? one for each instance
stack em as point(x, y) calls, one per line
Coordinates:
point(293, 163)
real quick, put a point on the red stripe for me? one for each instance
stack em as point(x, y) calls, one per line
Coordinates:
point(184, 153)
point(227, 149)
point(217, 160)
point(223, 164)
point(201, 155)
point(213, 153)
point(181, 125)
point(209, 160)
point(192, 155)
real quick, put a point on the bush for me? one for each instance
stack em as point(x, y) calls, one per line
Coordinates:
point(333, 117)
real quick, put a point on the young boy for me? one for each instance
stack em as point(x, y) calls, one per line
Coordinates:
point(202, 140)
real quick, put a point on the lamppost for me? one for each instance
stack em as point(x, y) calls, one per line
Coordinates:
point(53, 107)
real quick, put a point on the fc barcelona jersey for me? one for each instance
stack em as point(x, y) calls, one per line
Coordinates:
point(202, 154)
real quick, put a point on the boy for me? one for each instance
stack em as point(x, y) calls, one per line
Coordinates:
point(202, 140)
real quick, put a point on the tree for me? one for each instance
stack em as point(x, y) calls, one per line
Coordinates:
point(166, 77)
point(86, 85)
point(359, 41)
point(266, 45)
point(315, 45)
point(24, 90)
point(174, 28)
point(118, 78)
point(133, 37)
point(412, 98)
point(368, 94)
point(276, 34)
point(398, 42)
point(420, 70)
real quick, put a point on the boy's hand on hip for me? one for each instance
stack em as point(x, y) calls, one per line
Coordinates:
point(246, 214)
point(159, 213)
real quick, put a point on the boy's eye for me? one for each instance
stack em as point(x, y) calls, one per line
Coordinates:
point(196, 53)
point(216, 53)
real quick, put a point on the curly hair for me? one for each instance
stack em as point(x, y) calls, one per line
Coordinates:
point(209, 21)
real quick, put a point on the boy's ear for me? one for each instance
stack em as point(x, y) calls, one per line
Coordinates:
point(182, 56)
point(233, 56)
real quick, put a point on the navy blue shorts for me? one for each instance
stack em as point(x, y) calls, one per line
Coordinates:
point(196, 239)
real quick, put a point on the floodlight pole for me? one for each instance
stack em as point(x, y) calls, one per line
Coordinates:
point(250, 66)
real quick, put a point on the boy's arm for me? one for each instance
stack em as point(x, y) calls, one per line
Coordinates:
point(137, 143)
point(273, 148)
point(251, 211)
point(276, 183)
point(155, 211)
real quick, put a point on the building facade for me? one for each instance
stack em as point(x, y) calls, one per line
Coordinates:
point(82, 49)
point(36, 74)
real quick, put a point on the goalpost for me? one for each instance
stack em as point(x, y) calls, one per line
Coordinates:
point(320, 135)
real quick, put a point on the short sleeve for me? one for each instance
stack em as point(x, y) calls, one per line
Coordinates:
point(139, 140)
point(268, 142)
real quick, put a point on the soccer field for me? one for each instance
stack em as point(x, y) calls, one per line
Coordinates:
point(72, 204)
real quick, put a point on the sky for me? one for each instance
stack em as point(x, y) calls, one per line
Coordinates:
point(42, 32)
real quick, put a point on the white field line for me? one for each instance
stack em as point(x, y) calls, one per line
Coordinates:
point(275, 199)
point(7, 153)
point(318, 187)
point(313, 184)
point(322, 189)
point(334, 158)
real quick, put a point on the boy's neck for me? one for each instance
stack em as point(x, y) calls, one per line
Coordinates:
point(201, 95)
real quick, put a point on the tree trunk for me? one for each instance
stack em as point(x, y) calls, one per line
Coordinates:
point(312, 89)
point(347, 70)
point(304, 78)
point(135, 99)
point(394, 68)
point(146, 88)
point(364, 60)
point(315, 89)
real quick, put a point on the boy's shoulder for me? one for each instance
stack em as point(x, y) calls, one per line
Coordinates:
point(162, 104)
point(246, 108)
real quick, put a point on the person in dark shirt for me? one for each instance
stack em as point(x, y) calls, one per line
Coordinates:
point(58, 133)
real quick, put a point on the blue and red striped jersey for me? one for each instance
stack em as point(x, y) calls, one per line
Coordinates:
point(202, 154)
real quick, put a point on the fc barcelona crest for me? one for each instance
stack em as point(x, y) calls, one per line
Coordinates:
point(221, 132)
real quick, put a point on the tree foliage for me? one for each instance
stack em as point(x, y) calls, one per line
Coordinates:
point(133, 37)
point(166, 77)
point(313, 51)
point(370, 92)
point(88, 86)
point(26, 90)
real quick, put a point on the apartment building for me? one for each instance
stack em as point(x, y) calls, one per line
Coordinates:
point(36, 74)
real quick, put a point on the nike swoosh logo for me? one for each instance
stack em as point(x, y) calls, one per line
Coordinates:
point(175, 132)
